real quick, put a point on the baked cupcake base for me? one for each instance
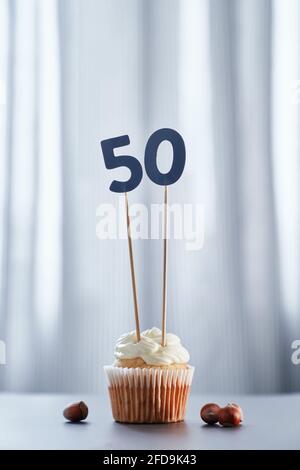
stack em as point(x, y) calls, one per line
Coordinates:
point(154, 395)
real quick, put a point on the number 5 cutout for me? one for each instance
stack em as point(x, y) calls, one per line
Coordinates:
point(112, 161)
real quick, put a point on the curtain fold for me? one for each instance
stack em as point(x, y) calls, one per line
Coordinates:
point(285, 127)
point(225, 74)
point(31, 235)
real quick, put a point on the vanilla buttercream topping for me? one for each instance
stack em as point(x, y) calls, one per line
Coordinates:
point(149, 348)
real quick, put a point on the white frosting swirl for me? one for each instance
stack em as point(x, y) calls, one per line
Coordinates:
point(149, 348)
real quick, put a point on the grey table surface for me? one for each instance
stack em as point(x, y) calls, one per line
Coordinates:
point(36, 422)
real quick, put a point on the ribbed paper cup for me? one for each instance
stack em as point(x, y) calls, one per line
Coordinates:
point(152, 395)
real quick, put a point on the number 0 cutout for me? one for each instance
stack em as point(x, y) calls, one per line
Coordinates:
point(176, 170)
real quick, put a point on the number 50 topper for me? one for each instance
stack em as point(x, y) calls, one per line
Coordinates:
point(164, 179)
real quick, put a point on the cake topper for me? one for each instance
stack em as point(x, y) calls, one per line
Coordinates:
point(163, 179)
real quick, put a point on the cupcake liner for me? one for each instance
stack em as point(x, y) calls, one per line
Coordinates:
point(152, 395)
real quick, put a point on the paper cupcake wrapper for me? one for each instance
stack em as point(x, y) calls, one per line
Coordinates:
point(148, 395)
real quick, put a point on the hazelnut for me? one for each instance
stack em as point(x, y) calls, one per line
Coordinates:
point(76, 411)
point(210, 413)
point(238, 408)
point(230, 416)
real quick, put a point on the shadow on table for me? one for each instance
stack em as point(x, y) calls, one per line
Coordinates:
point(218, 428)
point(154, 428)
point(76, 423)
point(155, 436)
point(145, 436)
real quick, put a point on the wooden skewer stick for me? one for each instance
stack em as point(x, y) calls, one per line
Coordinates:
point(165, 272)
point(134, 290)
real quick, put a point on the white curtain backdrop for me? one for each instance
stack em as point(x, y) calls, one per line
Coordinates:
point(226, 75)
point(31, 190)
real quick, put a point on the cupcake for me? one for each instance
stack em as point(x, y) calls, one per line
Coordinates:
point(148, 382)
